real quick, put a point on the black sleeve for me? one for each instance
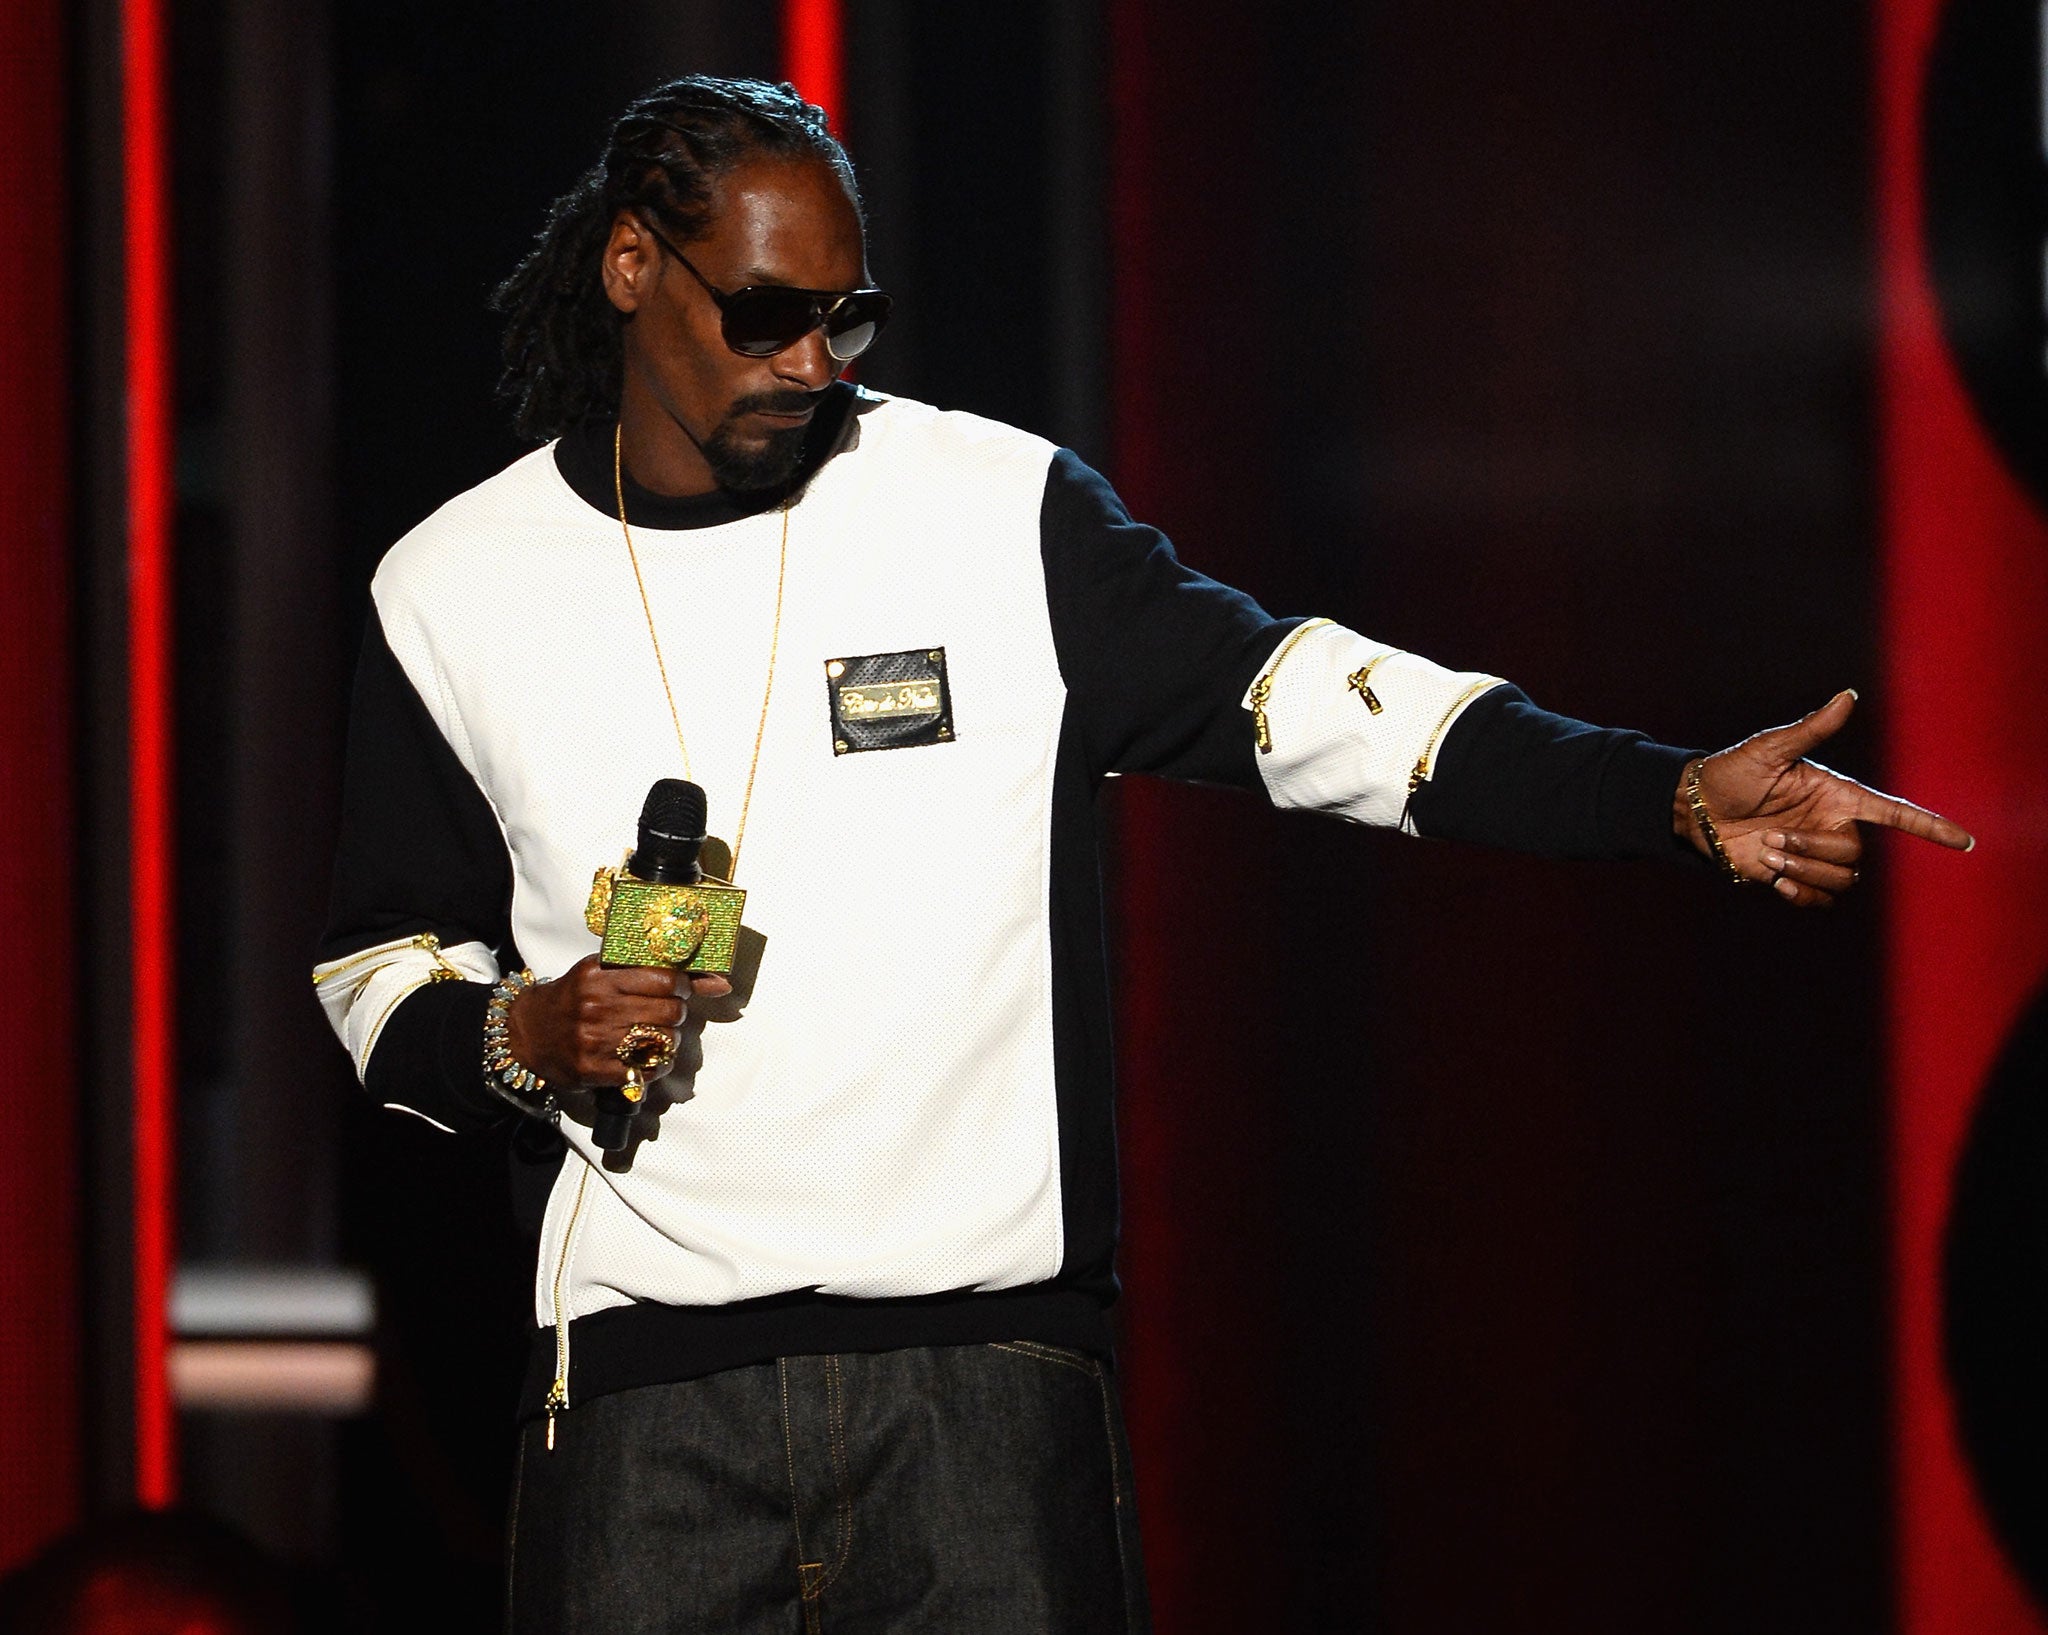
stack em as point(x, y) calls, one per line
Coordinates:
point(420, 850)
point(1509, 774)
point(1155, 656)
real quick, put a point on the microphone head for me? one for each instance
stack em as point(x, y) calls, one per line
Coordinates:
point(674, 808)
point(671, 834)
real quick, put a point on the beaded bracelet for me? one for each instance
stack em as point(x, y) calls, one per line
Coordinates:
point(504, 1075)
point(1698, 803)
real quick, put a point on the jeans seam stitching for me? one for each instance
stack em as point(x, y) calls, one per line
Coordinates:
point(812, 1586)
point(1025, 1349)
point(1116, 1487)
point(796, 1518)
point(835, 1408)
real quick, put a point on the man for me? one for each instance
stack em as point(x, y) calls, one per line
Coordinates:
point(827, 1340)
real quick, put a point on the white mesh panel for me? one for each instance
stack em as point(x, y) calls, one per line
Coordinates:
point(1331, 751)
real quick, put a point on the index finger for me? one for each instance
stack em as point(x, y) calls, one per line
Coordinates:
point(657, 981)
point(1894, 813)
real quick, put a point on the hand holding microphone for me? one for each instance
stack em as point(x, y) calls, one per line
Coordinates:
point(569, 1030)
point(613, 1028)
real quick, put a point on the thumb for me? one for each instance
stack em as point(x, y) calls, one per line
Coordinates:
point(1809, 732)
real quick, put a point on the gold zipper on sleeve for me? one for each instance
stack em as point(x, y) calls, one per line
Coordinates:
point(1360, 680)
point(1262, 689)
point(558, 1392)
point(1420, 774)
point(443, 971)
point(384, 953)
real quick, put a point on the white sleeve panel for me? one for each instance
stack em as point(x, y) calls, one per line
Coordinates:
point(361, 990)
point(1331, 750)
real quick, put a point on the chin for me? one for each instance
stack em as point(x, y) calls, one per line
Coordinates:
point(766, 462)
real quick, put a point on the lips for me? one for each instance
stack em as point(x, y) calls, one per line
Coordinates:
point(783, 410)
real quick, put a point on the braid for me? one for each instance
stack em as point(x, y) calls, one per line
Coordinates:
point(562, 355)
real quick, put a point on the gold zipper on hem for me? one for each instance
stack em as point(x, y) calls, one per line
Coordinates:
point(558, 1392)
point(1262, 689)
point(1360, 680)
point(1420, 774)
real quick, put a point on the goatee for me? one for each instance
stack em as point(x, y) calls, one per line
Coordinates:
point(749, 467)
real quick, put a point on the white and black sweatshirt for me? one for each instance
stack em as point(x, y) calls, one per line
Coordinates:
point(905, 1134)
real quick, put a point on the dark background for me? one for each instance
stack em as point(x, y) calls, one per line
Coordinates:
point(1505, 1239)
point(1537, 339)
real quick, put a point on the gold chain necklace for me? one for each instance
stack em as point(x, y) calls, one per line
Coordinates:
point(647, 607)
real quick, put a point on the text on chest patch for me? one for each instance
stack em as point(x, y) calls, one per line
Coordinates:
point(889, 700)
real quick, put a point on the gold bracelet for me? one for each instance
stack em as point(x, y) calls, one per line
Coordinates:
point(1698, 803)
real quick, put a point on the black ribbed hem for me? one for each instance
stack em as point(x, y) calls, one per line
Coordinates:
point(1510, 774)
point(430, 1056)
point(1636, 790)
point(647, 1344)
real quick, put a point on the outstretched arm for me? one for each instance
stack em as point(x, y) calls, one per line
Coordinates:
point(1171, 673)
point(1791, 823)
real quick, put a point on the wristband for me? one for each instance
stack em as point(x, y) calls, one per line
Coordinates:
point(505, 1076)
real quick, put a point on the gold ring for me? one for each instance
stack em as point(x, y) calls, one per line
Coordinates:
point(647, 1051)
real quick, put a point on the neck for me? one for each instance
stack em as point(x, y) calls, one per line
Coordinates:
point(659, 454)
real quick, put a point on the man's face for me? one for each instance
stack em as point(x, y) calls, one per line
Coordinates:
point(773, 221)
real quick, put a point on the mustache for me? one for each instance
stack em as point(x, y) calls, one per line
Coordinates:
point(776, 403)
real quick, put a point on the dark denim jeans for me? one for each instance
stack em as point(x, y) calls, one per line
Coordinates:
point(974, 1490)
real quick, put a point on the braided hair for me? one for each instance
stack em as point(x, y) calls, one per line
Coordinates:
point(562, 352)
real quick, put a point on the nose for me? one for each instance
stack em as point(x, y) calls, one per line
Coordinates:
point(806, 364)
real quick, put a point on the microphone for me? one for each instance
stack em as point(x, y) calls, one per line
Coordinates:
point(660, 910)
point(671, 834)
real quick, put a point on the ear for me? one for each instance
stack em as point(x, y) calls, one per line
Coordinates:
point(632, 263)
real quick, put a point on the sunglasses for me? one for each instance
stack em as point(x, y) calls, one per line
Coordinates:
point(763, 319)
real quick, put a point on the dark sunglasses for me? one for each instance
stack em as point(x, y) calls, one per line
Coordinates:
point(764, 319)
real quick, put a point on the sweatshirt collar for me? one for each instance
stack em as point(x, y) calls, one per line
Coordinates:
point(583, 456)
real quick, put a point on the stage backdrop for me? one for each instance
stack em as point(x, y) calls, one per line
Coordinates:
point(1965, 444)
point(1508, 1241)
point(1510, 1245)
point(39, 1073)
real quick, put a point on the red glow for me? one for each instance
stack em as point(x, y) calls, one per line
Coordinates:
point(1154, 1398)
point(39, 1361)
point(1966, 603)
point(150, 499)
point(1160, 1253)
point(814, 54)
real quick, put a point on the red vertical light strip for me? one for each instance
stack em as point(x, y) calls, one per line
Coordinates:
point(1966, 605)
point(814, 54)
point(145, 128)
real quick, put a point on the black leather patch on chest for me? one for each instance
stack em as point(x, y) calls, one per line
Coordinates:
point(889, 700)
